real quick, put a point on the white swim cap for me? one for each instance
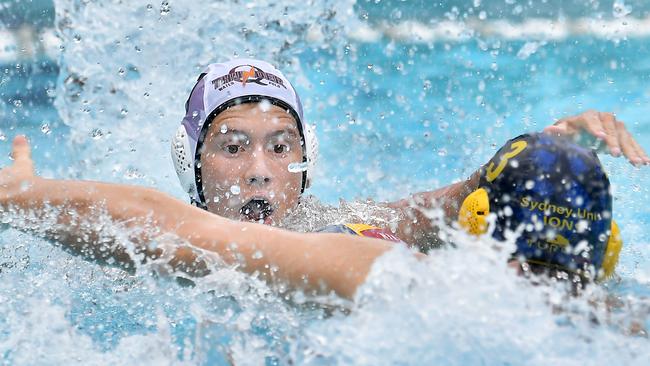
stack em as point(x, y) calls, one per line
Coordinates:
point(219, 87)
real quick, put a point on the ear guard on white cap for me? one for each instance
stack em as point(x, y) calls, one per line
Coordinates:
point(184, 161)
point(311, 151)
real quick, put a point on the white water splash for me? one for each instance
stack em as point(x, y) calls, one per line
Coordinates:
point(528, 49)
point(464, 306)
point(620, 9)
point(128, 85)
point(127, 68)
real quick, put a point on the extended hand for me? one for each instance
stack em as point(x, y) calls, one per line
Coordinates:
point(604, 127)
point(19, 176)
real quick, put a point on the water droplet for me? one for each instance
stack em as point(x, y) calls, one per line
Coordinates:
point(132, 173)
point(620, 10)
point(235, 189)
point(178, 145)
point(370, 66)
point(581, 247)
point(374, 174)
point(138, 49)
point(297, 167)
point(124, 112)
point(45, 128)
point(265, 105)
point(257, 255)
point(18, 103)
point(530, 184)
point(149, 7)
point(3, 137)
point(481, 85)
point(582, 226)
point(442, 151)
point(121, 71)
point(165, 8)
point(529, 48)
point(96, 133)
point(77, 38)
point(195, 114)
point(223, 129)
point(507, 211)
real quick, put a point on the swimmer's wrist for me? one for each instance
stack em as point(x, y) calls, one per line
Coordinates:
point(36, 192)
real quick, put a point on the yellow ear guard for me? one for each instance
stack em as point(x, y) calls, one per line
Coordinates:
point(613, 249)
point(473, 213)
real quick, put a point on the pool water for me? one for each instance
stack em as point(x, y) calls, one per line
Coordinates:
point(405, 97)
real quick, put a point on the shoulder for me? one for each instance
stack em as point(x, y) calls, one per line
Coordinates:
point(365, 230)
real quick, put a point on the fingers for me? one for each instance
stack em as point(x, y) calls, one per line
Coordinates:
point(590, 121)
point(604, 127)
point(641, 154)
point(21, 152)
point(629, 149)
point(565, 126)
point(556, 130)
point(609, 124)
point(632, 150)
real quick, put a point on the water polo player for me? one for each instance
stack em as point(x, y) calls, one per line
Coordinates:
point(555, 197)
point(243, 154)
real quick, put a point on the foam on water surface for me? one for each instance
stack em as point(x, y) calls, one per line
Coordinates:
point(406, 101)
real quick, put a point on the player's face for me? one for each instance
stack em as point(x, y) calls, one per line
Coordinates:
point(245, 163)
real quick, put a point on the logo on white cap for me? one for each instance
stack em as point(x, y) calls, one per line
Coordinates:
point(247, 74)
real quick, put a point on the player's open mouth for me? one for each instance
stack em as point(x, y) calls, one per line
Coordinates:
point(257, 209)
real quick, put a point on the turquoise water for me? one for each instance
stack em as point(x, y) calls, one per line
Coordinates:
point(395, 114)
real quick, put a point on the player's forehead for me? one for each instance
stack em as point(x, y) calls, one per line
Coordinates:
point(254, 119)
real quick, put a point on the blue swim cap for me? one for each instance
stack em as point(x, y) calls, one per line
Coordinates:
point(558, 193)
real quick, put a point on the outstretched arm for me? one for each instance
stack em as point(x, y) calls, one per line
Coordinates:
point(315, 262)
point(419, 223)
point(594, 129)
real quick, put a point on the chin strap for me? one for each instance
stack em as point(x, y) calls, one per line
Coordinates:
point(198, 204)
